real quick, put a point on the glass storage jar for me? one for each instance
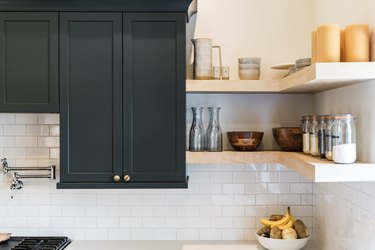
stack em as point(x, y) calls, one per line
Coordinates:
point(313, 129)
point(306, 134)
point(344, 148)
point(322, 120)
point(328, 137)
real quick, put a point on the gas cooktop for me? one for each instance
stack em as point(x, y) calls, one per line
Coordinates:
point(35, 243)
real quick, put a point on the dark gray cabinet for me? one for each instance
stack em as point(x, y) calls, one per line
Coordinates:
point(122, 100)
point(29, 62)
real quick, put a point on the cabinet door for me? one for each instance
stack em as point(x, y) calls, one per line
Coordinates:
point(154, 97)
point(91, 97)
point(29, 62)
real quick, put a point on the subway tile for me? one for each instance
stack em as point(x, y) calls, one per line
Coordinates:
point(7, 118)
point(244, 222)
point(107, 222)
point(118, 210)
point(244, 177)
point(37, 130)
point(50, 231)
point(233, 234)
point(50, 210)
point(39, 222)
point(165, 234)
point(49, 142)
point(199, 177)
point(222, 177)
point(54, 153)
point(255, 167)
point(222, 200)
point(301, 188)
point(142, 211)
point(221, 222)
point(235, 211)
point(289, 199)
point(130, 199)
point(15, 222)
point(153, 222)
point(177, 222)
point(307, 200)
point(210, 168)
point(266, 176)
point(256, 188)
point(165, 211)
point(210, 211)
point(244, 200)
point(188, 211)
point(96, 234)
point(201, 200)
point(279, 188)
point(96, 211)
point(210, 188)
point(192, 168)
point(85, 222)
point(131, 222)
point(1, 130)
point(266, 199)
point(62, 222)
point(54, 130)
point(177, 200)
point(15, 130)
point(74, 234)
point(49, 119)
point(233, 167)
point(289, 177)
point(85, 199)
point(16, 153)
point(26, 142)
point(73, 210)
point(277, 167)
point(26, 118)
point(7, 141)
point(233, 188)
point(119, 234)
point(187, 234)
point(198, 222)
point(142, 234)
point(27, 231)
point(37, 153)
point(210, 234)
point(149, 200)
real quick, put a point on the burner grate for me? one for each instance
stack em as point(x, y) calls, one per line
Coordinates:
point(42, 243)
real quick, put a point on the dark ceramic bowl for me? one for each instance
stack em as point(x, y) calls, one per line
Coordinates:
point(288, 138)
point(245, 141)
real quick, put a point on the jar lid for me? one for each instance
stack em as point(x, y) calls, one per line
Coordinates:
point(325, 117)
point(343, 116)
point(306, 117)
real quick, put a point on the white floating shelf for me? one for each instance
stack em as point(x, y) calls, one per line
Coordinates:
point(316, 78)
point(315, 169)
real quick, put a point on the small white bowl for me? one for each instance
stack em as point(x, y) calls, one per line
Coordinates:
point(248, 66)
point(252, 60)
point(276, 244)
point(249, 74)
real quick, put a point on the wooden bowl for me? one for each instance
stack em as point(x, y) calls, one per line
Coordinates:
point(288, 138)
point(245, 141)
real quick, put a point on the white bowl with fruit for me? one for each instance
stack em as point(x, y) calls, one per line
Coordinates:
point(283, 232)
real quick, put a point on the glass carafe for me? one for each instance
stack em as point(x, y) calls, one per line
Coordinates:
point(197, 135)
point(214, 136)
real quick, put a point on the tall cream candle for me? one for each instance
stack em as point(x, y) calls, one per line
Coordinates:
point(342, 46)
point(372, 45)
point(357, 43)
point(328, 43)
point(313, 46)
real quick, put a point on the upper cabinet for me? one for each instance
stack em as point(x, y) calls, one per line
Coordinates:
point(29, 62)
point(122, 79)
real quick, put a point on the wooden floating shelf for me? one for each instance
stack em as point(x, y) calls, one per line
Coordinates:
point(315, 169)
point(313, 79)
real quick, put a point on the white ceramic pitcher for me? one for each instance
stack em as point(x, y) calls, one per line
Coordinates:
point(203, 58)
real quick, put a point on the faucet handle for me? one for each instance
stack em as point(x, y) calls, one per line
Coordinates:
point(17, 183)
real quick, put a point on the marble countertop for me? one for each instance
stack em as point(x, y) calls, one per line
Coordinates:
point(169, 245)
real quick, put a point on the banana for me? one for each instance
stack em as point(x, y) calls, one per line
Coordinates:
point(287, 225)
point(281, 222)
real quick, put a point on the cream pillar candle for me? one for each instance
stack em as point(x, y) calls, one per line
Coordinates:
point(342, 46)
point(313, 47)
point(357, 43)
point(372, 45)
point(328, 43)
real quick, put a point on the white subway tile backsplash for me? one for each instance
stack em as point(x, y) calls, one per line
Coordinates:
point(223, 201)
point(37, 130)
point(15, 130)
point(26, 118)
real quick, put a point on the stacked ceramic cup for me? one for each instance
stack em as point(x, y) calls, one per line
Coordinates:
point(249, 68)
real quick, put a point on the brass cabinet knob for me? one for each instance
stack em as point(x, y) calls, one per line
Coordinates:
point(126, 178)
point(116, 178)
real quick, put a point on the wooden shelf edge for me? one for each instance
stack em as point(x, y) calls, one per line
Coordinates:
point(314, 169)
point(313, 79)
